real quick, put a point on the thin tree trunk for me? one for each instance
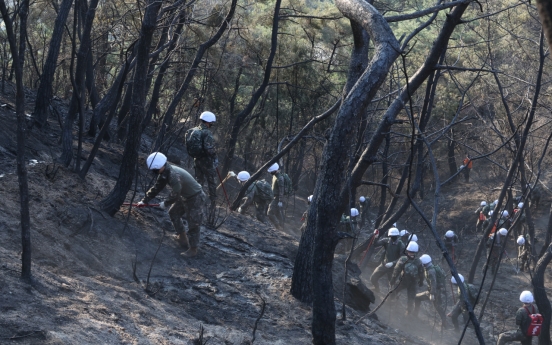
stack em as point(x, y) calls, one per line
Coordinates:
point(541, 298)
point(44, 92)
point(115, 199)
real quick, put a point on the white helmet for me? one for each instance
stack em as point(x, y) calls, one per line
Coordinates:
point(503, 231)
point(483, 203)
point(404, 232)
point(490, 213)
point(526, 297)
point(453, 280)
point(504, 213)
point(412, 247)
point(413, 238)
point(243, 176)
point(362, 199)
point(208, 116)
point(309, 198)
point(449, 234)
point(425, 259)
point(273, 167)
point(156, 160)
point(393, 232)
point(495, 202)
point(354, 212)
point(520, 205)
point(521, 240)
point(461, 167)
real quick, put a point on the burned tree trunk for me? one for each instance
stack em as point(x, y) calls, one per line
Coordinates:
point(540, 295)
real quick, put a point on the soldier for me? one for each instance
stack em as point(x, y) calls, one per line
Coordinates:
point(258, 193)
point(305, 215)
point(186, 197)
point(481, 215)
point(505, 220)
point(460, 307)
point(348, 224)
point(451, 242)
point(364, 209)
point(524, 253)
point(495, 246)
point(276, 207)
point(201, 146)
point(411, 270)
point(436, 289)
point(523, 320)
point(394, 248)
point(520, 224)
point(405, 234)
point(467, 164)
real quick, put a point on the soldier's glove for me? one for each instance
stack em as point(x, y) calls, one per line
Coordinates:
point(432, 297)
point(280, 204)
point(420, 283)
point(389, 264)
point(216, 163)
point(141, 204)
point(162, 205)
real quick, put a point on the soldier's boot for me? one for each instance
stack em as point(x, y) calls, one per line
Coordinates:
point(182, 239)
point(190, 253)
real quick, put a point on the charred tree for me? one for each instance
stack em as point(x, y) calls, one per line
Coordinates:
point(115, 199)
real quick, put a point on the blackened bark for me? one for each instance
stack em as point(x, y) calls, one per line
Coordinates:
point(115, 199)
point(168, 117)
point(18, 55)
point(541, 298)
point(44, 92)
point(383, 192)
point(450, 154)
point(548, 238)
point(76, 106)
point(91, 80)
point(122, 116)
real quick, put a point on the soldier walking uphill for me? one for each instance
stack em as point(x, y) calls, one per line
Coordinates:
point(436, 289)
point(186, 197)
point(467, 165)
point(276, 207)
point(393, 249)
point(460, 306)
point(364, 208)
point(412, 272)
point(451, 242)
point(201, 146)
point(259, 193)
point(519, 228)
point(524, 322)
point(495, 246)
point(482, 213)
point(524, 253)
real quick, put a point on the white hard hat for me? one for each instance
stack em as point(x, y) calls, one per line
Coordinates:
point(449, 234)
point(453, 280)
point(362, 199)
point(495, 202)
point(404, 232)
point(504, 213)
point(461, 167)
point(520, 205)
point(413, 238)
point(526, 297)
point(483, 203)
point(354, 212)
point(243, 176)
point(503, 231)
point(521, 240)
point(425, 259)
point(490, 213)
point(309, 198)
point(412, 247)
point(156, 160)
point(393, 232)
point(208, 116)
point(273, 167)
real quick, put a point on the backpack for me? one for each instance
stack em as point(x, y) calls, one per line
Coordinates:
point(288, 185)
point(194, 142)
point(534, 328)
point(482, 216)
point(264, 189)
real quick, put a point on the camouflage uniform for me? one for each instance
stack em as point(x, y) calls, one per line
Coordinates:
point(393, 251)
point(435, 280)
point(460, 306)
point(254, 196)
point(275, 213)
point(205, 168)
point(495, 246)
point(520, 225)
point(186, 197)
point(413, 274)
point(523, 321)
point(524, 255)
point(349, 225)
point(364, 209)
point(451, 243)
point(481, 217)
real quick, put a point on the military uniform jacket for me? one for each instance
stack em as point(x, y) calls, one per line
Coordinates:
point(435, 278)
point(278, 186)
point(451, 241)
point(181, 182)
point(209, 148)
point(254, 193)
point(393, 250)
point(413, 270)
point(522, 318)
point(471, 290)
